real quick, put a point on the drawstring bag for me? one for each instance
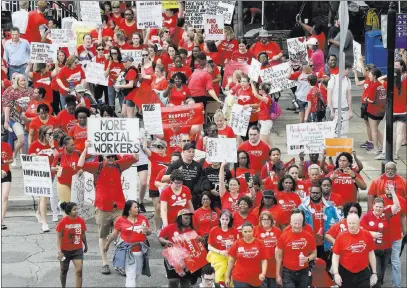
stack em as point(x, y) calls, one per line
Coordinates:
point(275, 110)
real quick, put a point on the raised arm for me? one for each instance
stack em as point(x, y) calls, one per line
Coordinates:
point(222, 188)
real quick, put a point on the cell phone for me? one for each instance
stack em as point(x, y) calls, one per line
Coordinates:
point(247, 177)
point(341, 170)
point(172, 81)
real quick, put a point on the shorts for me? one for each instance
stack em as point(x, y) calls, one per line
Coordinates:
point(143, 167)
point(153, 193)
point(302, 105)
point(18, 129)
point(105, 219)
point(72, 255)
point(7, 178)
point(363, 111)
point(130, 103)
point(265, 127)
point(400, 118)
point(374, 117)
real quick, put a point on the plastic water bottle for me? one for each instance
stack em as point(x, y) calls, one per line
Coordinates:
point(301, 260)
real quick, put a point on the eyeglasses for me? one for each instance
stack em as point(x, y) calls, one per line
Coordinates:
point(100, 49)
point(167, 31)
point(144, 55)
point(186, 141)
point(128, 14)
point(160, 147)
point(113, 53)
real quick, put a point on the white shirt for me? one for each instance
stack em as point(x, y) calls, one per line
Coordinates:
point(333, 84)
point(20, 20)
point(303, 87)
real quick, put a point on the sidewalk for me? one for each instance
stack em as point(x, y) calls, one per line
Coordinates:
point(357, 131)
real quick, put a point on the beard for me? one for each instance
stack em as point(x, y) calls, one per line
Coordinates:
point(316, 200)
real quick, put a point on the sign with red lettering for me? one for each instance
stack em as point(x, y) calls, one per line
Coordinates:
point(187, 115)
point(214, 26)
point(231, 67)
point(196, 258)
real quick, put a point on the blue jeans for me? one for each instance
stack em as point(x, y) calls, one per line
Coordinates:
point(62, 100)
point(396, 263)
point(111, 92)
point(295, 279)
point(12, 70)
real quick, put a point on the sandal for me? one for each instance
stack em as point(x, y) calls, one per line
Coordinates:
point(105, 269)
point(3, 227)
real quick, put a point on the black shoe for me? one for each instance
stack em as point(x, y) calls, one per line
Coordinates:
point(3, 227)
point(105, 269)
point(141, 208)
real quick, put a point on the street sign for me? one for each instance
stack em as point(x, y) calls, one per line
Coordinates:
point(401, 30)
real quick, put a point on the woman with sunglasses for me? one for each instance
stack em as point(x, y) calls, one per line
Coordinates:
point(45, 146)
point(112, 70)
point(116, 15)
point(100, 58)
point(128, 24)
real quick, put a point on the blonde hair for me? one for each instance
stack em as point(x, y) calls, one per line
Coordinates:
point(115, 3)
point(219, 114)
point(71, 60)
point(314, 166)
point(16, 79)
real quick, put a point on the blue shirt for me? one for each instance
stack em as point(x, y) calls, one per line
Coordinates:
point(16, 55)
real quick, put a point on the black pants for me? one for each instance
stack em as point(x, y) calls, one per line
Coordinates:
point(56, 103)
point(353, 280)
point(295, 279)
point(269, 283)
point(238, 284)
point(382, 257)
point(101, 90)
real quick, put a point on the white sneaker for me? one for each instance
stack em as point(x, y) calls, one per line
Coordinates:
point(45, 228)
point(38, 216)
point(14, 164)
point(381, 156)
point(373, 151)
point(396, 157)
point(55, 218)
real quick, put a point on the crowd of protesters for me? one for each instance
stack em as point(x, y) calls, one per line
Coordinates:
point(263, 222)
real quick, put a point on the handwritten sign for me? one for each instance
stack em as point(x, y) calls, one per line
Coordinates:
point(149, 14)
point(170, 4)
point(277, 76)
point(199, 154)
point(219, 149)
point(214, 27)
point(344, 118)
point(194, 11)
point(185, 115)
point(90, 12)
point(239, 119)
point(357, 54)
point(334, 146)
point(62, 37)
point(136, 54)
point(78, 196)
point(153, 123)
point(43, 53)
point(196, 258)
point(297, 50)
point(308, 137)
point(226, 8)
point(254, 70)
point(36, 175)
point(94, 73)
point(113, 136)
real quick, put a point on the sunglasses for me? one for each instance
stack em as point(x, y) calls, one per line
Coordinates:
point(185, 141)
point(160, 147)
point(110, 156)
point(144, 55)
point(113, 53)
point(128, 14)
point(167, 31)
point(109, 39)
point(49, 133)
point(100, 49)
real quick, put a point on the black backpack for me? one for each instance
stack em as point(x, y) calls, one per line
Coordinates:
point(126, 91)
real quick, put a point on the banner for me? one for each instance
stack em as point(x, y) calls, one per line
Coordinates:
point(36, 175)
point(136, 54)
point(153, 123)
point(62, 37)
point(214, 27)
point(113, 136)
point(90, 12)
point(334, 146)
point(187, 115)
point(277, 76)
point(78, 196)
point(254, 70)
point(168, 4)
point(226, 8)
point(197, 253)
point(43, 53)
point(231, 67)
point(149, 14)
point(344, 124)
point(239, 119)
point(220, 149)
point(357, 54)
point(194, 11)
point(95, 73)
point(308, 137)
point(297, 50)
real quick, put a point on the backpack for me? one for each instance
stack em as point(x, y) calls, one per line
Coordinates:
point(372, 20)
point(126, 91)
point(96, 176)
point(321, 107)
point(274, 110)
point(380, 99)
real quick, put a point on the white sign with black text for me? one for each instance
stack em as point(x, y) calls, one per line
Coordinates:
point(213, 27)
point(220, 149)
point(43, 52)
point(153, 120)
point(149, 14)
point(36, 175)
point(62, 37)
point(297, 50)
point(95, 73)
point(277, 77)
point(239, 119)
point(78, 196)
point(90, 12)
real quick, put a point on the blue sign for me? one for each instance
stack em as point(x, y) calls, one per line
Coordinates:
point(401, 30)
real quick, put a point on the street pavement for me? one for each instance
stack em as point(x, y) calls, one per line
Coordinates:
point(29, 256)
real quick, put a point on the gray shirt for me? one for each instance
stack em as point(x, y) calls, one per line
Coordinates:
point(348, 47)
point(17, 54)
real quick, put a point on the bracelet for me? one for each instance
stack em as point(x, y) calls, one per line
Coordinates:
point(374, 274)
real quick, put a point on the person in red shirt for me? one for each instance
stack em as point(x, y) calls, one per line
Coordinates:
point(335, 199)
point(313, 112)
point(269, 235)
point(224, 130)
point(229, 45)
point(205, 217)
point(109, 197)
point(277, 172)
point(177, 91)
point(301, 186)
point(316, 32)
point(242, 55)
point(79, 131)
point(42, 119)
point(31, 112)
point(212, 52)
point(128, 24)
point(229, 199)
point(116, 15)
point(133, 229)
point(103, 31)
point(241, 170)
point(36, 23)
point(269, 204)
point(272, 49)
point(350, 245)
point(66, 117)
point(257, 149)
point(128, 88)
point(325, 73)
point(274, 158)
point(59, 64)
point(87, 50)
point(243, 215)
point(287, 199)
point(6, 159)
point(120, 41)
point(112, 70)
point(71, 234)
point(247, 260)
point(295, 249)
point(41, 78)
point(179, 66)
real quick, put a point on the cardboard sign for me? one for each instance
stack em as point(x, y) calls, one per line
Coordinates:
point(149, 14)
point(90, 12)
point(36, 175)
point(344, 118)
point(136, 54)
point(170, 4)
point(297, 50)
point(197, 253)
point(187, 115)
point(308, 137)
point(214, 27)
point(226, 8)
point(334, 146)
point(254, 71)
point(113, 136)
point(43, 53)
point(194, 11)
point(94, 73)
point(357, 53)
point(239, 119)
point(277, 76)
point(62, 37)
point(153, 123)
point(199, 155)
point(78, 196)
point(220, 149)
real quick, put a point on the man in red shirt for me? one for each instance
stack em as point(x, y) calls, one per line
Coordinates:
point(36, 24)
point(109, 197)
point(324, 74)
point(270, 47)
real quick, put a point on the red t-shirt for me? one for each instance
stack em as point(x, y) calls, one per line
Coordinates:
point(226, 132)
point(346, 187)
point(199, 83)
point(132, 232)
point(271, 48)
point(116, 19)
point(338, 228)
point(184, 69)
point(128, 30)
point(379, 224)
point(69, 164)
point(378, 185)
point(396, 232)
point(175, 203)
point(248, 258)
point(293, 244)
point(336, 200)
point(399, 98)
point(245, 96)
point(130, 75)
point(106, 32)
point(41, 150)
point(372, 92)
point(6, 154)
point(312, 97)
point(216, 57)
point(157, 164)
point(258, 154)
point(240, 174)
point(124, 46)
point(350, 247)
point(269, 239)
point(242, 57)
point(204, 220)
point(101, 60)
point(44, 81)
point(115, 69)
point(80, 135)
point(177, 97)
point(72, 230)
point(85, 53)
point(31, 111)
point(288, 202)
point(238, 220)
point(170, 21)
point(222, 240)
point(227, 48)
point(270, 183)
point(230, 203)
point(302, 188)
point(35, 21)
point(276, 212)
point(36, 124)
point(173, 138)
point(68, 75)
point(66, 121)
point(264, 109)
point(171, 231)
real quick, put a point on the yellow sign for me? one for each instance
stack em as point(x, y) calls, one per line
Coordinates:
point(170, 4)
point(334, 146)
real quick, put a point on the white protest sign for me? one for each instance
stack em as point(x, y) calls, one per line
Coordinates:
point(135, 54)
point(308, 137)
point(226, 8)
point(62, 37)
point(153, 123)
point(149, 14)
point(220, 149)
point(239, 119)
point(78, 196)
point(344, 124)
point(43, 53)
point(94, 73)
point(297, 50)
point(113, 136)
point(89, 196)
point(254, 71)
point(214, 27)
point(357, 53)
point(194, 11)
point(36, 175)
point(277, 77)
point(199, 154)
point(90, 12)
point(130, 183)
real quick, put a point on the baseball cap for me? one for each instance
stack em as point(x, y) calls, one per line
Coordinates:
point(312, 41)
point(184, 212)
point(188, 146)
point(268, 193)
point(127, 59)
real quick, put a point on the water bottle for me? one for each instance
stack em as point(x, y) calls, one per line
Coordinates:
point(301, 260)
point(295, 104)
point(380, 239)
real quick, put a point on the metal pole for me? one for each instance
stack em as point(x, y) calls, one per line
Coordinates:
point(240, 18)
point(343, 31)
point(235, 22)
point(391, 43)
point(399, 7)
point(262, 14)
point(78, 9)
